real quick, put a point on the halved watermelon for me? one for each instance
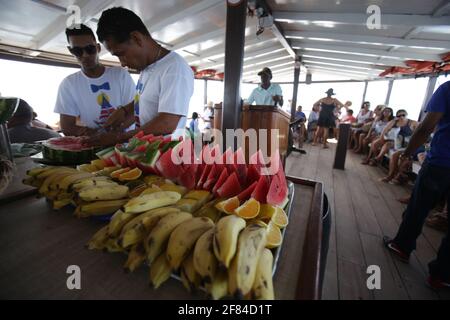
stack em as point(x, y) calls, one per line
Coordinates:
point(247, 193)
point(230, 188)
point(261, 189)
point(252, 174)
point(222, 178)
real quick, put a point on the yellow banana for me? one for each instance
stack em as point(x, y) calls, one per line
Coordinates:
point(156, 241)
point(152, 201)
point(149, 190)
point(205, 262)
point(218, 289)
point(58, 204)
point(98, 240)
point(118, 220)
point(53, 170)
point(92, 182)
point(104, 193)
point(188, 205)
point(263, 285)
point(70, 179)
point(136, 229)
point(183, 239)
point(226, 238)
point(173, 187)
point(189, 276)
point(136, 257)
point(54, 176)
point(112, 245)
point(202, 196)
point(98, 208)
point(242, 272)
point(34, 172)
point(159, 271)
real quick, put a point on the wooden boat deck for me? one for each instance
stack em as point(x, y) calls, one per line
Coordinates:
point(363, 211)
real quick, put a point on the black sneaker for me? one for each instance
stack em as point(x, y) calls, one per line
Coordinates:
point(395, 249)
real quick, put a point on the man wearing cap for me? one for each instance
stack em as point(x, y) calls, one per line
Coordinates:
point(20, 129)
point(266, 93)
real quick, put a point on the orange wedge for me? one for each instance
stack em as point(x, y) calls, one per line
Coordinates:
point(249, 210)
point(228, 206)
point(117, 173)
point(266, 212)
point(280, 218)
point(273, 236)
point(130, 175)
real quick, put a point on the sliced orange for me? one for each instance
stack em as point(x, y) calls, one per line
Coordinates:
point(280, 218)
point(273, 236)
point(115, 174)
point(130, 175)
point(249, 210)
point(266, 212)
point(228, 206)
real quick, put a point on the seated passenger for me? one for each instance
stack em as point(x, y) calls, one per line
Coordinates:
point(20, 129)
point(380, 122)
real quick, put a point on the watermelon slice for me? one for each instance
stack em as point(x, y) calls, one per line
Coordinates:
point(252, 174)
point(148, 163)
point(166, 167)
point(212, 177)
point(230, 188)
point(204, 175)
point(187, 177)
point(261, 189)
point(222, 178)
point(140, 134)
point(247, 193)
point(240, 166)
point(278, 191)
point(108, 156)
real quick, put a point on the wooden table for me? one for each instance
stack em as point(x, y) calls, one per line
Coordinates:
point(38, 244)
point(16, 189)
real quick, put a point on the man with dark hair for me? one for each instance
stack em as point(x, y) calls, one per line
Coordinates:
point(266, 93)
point(91, 95)
point(20, 129)
point(165, 85)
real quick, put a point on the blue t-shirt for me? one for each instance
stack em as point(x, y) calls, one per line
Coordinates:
point(439, 153)
point(299, 115)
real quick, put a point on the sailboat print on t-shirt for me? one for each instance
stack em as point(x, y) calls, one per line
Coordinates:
point(137, 97)
point(103, 100)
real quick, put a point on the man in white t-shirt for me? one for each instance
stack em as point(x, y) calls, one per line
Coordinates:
point(87, 98)
point(165, 86)
point(266, 93)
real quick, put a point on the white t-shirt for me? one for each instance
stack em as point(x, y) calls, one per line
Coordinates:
point(94, 99)
point(165, 86)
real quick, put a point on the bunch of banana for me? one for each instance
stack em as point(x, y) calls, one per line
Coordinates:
point(52, 175)
point(118, 220)
point(190, 278)
point(184, 237)
point(156, 241)
point(242, 272)
point(159, 271)
point(136, 229)
point(226, 238)
point(151, 201)
point(92, 182)
point(205, 262)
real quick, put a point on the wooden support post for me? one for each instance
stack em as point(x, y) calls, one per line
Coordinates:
point(234, 60)
point(295, 91)
point(341, 149)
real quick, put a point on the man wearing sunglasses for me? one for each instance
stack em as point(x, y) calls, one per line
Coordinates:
point(87, 98)
point(432, 184)
point(165, 86)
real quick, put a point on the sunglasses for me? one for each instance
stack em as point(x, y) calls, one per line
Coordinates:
point(78, 51)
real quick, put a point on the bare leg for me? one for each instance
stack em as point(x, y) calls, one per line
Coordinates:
point(393, 167)
point(360, 143)
point(325, 137)
point(316, 135)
